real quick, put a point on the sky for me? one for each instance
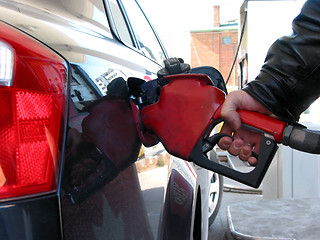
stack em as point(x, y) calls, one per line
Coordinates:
point(193, 14)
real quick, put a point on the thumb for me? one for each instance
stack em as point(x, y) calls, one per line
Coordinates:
point(229, 109)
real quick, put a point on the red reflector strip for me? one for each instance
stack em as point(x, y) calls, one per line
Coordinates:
point(33, 105)
point(33, 163)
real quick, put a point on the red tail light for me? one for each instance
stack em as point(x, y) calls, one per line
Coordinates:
point(33, 106)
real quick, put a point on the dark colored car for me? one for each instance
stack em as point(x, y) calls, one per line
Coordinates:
point(70, 161)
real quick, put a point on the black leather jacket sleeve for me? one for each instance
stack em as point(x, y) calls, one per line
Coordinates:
point(289, 80)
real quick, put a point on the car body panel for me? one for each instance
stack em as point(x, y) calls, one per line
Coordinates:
point(133, 204)
point(37, 218)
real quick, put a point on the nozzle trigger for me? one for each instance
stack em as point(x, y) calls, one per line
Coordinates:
point(209, 143)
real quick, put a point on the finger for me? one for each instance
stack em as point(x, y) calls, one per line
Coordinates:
point(252, 161)
point(225, 143)
point(249, 137)
point(236, 147)
point(245, 152)
point(229, 109)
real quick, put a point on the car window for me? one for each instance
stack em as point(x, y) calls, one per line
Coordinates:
point(145, 35)
point(120, 23)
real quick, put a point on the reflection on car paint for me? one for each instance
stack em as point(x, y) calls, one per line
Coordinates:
point(84, 90)
point(180, 195)
point(183, 168)
point(177, 210)
point(107, 144)
point(103, 81)
point(82, 93)
point(153, 169)
point(118, 210)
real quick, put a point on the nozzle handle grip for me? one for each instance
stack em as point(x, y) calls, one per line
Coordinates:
point(263, 123)
point(258, 122)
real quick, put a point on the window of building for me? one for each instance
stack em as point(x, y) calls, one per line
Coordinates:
point(226, 40)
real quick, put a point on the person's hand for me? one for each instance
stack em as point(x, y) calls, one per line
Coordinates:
point(245, 141)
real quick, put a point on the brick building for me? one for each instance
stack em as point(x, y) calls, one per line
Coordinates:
point(216, 47)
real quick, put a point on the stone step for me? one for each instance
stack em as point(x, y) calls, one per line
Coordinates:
point(279, 219)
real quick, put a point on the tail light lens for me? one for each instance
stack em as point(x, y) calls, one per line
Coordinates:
point(32, 115)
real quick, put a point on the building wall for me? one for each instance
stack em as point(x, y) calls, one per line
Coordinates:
point(216, 48)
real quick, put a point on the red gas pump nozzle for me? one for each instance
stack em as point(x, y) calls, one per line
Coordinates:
point(184, 112)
